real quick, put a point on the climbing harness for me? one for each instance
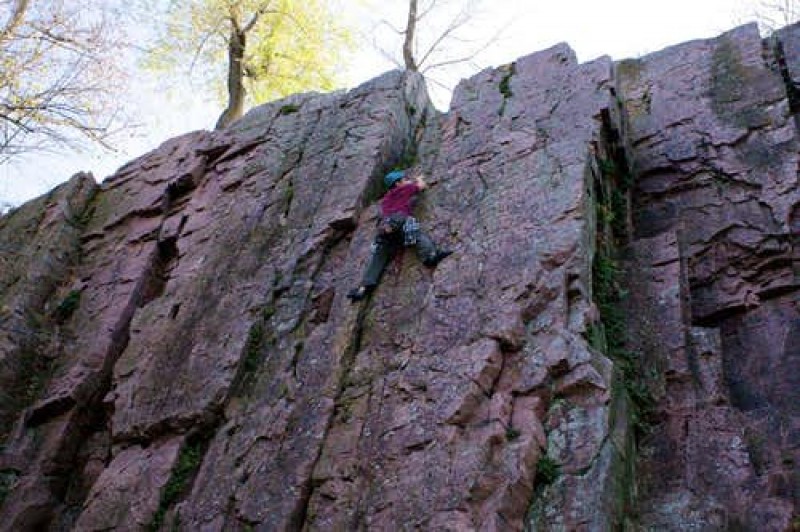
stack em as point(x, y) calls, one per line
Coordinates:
point(395, 225)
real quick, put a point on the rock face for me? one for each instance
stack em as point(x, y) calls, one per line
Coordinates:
point(715, 250)
point(614, 342)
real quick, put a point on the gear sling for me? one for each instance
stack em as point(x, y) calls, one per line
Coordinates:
point(395, 232)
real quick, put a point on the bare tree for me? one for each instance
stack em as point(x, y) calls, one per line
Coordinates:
point(775, 14)
point(410, 34)
point(439, 38)
point(59, 75)
point(18, 9)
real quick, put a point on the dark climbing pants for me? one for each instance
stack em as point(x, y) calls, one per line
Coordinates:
point(384, 248)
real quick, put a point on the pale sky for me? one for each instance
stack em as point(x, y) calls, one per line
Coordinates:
point(618, 28)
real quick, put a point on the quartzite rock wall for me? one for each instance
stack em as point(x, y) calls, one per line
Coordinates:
point(178, 351)
point(717, 314)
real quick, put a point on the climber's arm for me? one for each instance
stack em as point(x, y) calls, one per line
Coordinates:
point(420, 180)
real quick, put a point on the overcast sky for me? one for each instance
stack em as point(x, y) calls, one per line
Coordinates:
point(618, 28)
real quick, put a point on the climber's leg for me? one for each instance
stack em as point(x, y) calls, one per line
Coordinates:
point(382, 252)
point(427, 252)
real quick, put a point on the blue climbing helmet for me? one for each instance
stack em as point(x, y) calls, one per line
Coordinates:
point(393, 177)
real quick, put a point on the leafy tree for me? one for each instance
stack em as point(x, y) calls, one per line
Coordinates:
point(265, 49)
point(58, 75)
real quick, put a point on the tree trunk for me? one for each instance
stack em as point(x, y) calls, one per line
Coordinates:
point(236, 91)
point(408, 45)
point(14, 20)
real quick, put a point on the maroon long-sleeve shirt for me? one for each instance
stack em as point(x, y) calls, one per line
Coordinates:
point(399, 200)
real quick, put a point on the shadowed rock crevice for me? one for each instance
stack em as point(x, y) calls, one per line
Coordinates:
point(601, 386)
point(156, 277)
point(349, 388)
point(305, 517)
point(40, 247)
point(183, 474)
point(92, 441)
point(789, 79)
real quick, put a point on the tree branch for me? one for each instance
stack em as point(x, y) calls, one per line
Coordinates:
point(457, 23)
point(17, 15)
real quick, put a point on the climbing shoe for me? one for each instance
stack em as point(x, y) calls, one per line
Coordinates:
point(436, 259)
point(357, 294)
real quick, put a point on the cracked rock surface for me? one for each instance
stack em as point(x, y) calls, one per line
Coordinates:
point(715, 280)
point(178, 351)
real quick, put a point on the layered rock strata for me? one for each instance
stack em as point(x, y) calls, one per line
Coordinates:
point(178, 351)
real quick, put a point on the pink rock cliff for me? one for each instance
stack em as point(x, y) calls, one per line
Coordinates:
point(614, 344)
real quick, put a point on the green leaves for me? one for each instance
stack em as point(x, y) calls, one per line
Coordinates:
point(290, 45)
point(59, 75)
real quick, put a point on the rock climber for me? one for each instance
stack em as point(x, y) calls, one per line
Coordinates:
point(397, 228)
